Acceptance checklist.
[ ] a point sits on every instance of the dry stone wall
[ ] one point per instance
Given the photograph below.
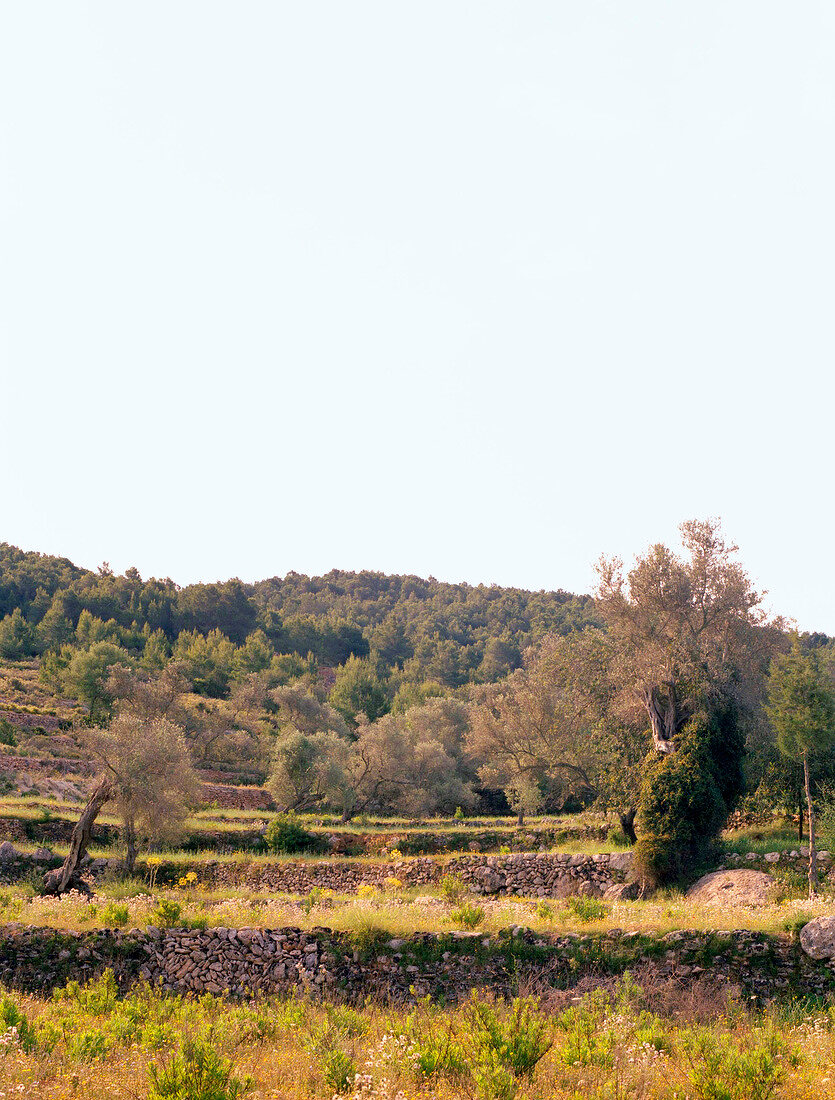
(529, 874)
(796, 859)
(325, 964)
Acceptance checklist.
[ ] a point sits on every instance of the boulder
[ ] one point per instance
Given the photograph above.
(623, 891)
(733, 888)
(8, 852)
(817, 938)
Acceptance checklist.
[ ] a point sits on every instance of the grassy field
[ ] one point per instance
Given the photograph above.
(628, 1041)
(397, 911)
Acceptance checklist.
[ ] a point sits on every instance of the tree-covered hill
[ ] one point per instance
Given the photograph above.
(420, 629)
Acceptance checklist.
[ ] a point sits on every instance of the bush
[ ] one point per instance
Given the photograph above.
(114, 915)
(587, 1041)
(518, 1039)
(197, 1072)
(587, 909)
(285, 834)
(166, 913)
(89, 1045)
(718, 1069)
(686, 797)
(366, 936)
(470, 916)
(11, 1016)
(7, 733)
(97, 997)
(453, 888)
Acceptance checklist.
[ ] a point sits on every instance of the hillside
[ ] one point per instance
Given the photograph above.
(424, 629)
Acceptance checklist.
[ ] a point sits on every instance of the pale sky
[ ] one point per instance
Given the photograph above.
(478, 290)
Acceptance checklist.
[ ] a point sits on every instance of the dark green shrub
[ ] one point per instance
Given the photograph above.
(285, 834)
(686, 797)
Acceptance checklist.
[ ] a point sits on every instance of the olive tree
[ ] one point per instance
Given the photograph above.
(145, 769)
(690, 646)
(684, 631)
(541, 725)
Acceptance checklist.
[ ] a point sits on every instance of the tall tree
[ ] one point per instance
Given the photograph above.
(685, 631)
(690, 650)
(801, 707)
(358, 691)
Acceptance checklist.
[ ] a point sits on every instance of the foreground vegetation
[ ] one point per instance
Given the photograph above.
(625, 1041)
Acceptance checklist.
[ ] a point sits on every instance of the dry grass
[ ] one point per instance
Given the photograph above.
(602, 1046)
(397, 911)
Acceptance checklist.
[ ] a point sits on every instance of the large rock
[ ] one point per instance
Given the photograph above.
(622, 891)
(8, 852)
(817, 938)
(733, 888)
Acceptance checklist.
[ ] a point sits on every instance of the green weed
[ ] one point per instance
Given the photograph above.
(339, 1070)
(467, 914)
(453, 888)
(586, 909)
(196, 1072)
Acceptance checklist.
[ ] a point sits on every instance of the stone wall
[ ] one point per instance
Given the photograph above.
(796, 859)
(529, 874)
(240, 962)
(236, 798)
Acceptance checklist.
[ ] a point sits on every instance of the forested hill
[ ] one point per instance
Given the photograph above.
(452, 632)
(426, 630)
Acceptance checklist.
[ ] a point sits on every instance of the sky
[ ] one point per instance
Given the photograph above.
(473, 290)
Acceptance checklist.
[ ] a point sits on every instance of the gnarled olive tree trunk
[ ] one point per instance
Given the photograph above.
(66, 877)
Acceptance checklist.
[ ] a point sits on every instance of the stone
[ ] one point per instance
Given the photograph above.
(489, 880)
(620, 861)
(772, 857)
(733, 888)
(622, 891)
(42, 855)
(817, 938)
(8, 852)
